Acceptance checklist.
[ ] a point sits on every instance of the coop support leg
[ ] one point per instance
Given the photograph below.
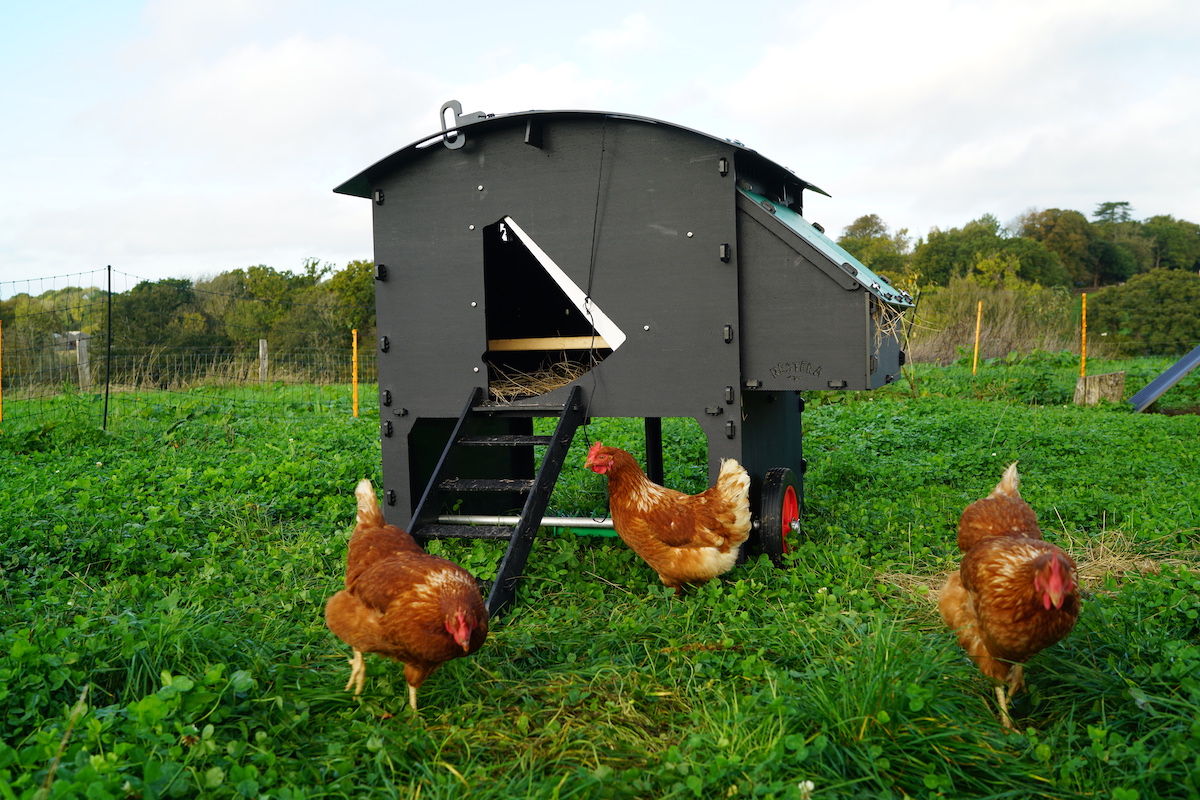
(654, 449)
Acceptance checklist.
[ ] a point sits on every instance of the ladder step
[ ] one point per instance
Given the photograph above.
(525, 410)
(464, 532)
(507, 441)
(486, 485)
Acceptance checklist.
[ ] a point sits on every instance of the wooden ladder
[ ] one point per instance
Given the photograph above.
(536, 490)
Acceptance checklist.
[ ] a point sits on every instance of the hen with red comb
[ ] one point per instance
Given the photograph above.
(1014, 593)
(686, 539)
(402, 602)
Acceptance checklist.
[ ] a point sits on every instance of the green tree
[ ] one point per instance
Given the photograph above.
(314, 320)
(1113, 213)
(1115, 224)
(1175, 242)
(162, 313)
(1038, 264)
(251, 302)
(956, 252)
(1152, 313)
(354, 288)
(870, 241)
(945, 254)
(32, 326)
(1111, 262)
(1068, 235)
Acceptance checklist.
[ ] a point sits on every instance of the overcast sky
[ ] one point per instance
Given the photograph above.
(180, 138)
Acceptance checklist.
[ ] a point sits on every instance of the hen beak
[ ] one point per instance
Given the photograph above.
(461, 630)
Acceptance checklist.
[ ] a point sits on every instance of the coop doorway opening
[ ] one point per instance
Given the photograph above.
(543, 331)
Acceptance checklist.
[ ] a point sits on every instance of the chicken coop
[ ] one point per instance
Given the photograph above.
(579, 264)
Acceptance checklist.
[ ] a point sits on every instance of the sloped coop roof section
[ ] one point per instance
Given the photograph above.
(361, 184)
(873, 283)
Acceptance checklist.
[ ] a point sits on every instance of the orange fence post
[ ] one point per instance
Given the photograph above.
(978, 319)
(354, 368)
(1083, 341)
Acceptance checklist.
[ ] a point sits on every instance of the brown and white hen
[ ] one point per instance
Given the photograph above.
(402, 602)
(1014, 594)
(686, 539)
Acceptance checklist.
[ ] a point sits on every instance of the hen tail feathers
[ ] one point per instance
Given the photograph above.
(734, 476)
(369, 515)
(1010, 484)
(734, 483)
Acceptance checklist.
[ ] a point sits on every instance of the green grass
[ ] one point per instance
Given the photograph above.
(178, 570)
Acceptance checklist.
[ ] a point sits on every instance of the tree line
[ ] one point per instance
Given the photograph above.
(1142, 277)
(314, 308)
(1053, 247)
(1146, 271)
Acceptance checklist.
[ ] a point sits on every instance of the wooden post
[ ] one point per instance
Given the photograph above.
(1083, 341)
(262, 360)
(1092, 389)
(85, 367)
(354, 368)
(978, 320)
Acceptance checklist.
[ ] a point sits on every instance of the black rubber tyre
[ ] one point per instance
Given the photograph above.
(779, 513)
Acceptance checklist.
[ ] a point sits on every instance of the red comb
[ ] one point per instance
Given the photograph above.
(595, 449)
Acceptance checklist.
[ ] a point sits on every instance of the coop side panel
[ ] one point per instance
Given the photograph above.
(801, 329)
(430, 321)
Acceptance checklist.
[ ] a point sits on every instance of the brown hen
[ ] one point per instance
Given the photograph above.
(402, 602)
(686, 539)
(1014, 594)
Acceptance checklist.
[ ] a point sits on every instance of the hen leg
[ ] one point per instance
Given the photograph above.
(1016, 680)
(412, 696)
(1002, 699)
(358, 672)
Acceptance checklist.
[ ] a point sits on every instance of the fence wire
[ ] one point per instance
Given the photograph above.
(69, 348)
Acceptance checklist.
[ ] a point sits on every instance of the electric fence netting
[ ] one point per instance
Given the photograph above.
(113, 349)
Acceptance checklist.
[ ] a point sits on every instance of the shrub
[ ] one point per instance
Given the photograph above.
(1152, 314)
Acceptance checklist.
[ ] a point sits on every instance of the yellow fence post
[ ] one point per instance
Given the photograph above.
(1083, 341)
(354, 368)
(978, 319)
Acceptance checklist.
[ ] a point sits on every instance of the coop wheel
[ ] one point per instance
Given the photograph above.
(779, 513)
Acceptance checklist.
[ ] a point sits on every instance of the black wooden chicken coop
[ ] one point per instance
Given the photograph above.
(580, 264)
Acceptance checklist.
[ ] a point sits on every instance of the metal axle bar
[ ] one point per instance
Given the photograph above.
(509, 521)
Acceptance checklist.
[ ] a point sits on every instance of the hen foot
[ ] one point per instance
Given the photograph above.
(358, 672)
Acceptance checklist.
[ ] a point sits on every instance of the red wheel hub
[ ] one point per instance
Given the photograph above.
(790, 516)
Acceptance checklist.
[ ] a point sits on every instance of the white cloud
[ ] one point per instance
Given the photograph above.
(211, 135)
(177, 31)
(266, 108)
(634, 34)
(525, 87)
(933, 111)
